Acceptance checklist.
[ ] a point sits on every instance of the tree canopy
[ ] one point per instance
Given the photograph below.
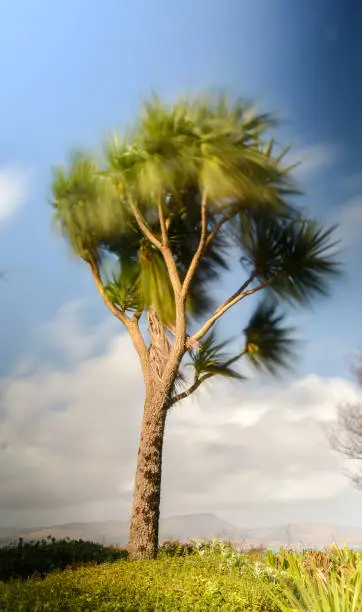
(191, 190)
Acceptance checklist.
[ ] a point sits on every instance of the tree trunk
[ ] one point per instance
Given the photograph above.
(143, 541)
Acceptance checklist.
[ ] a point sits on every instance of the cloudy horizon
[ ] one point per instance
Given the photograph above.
(69, 437)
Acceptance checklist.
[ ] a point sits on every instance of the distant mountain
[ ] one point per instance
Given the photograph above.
(306, 535)
(183, 528)
(197, 527)
(108, 532)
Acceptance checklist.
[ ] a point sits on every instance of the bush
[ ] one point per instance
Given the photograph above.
(29, 559)
(170, 583)
(173, 548)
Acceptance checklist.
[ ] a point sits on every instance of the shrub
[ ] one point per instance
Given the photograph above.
(29, 559)
(173, 548)
(190, 583)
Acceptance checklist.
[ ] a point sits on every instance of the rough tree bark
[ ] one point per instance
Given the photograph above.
(144, 527)
(160, 345)
(143, 540)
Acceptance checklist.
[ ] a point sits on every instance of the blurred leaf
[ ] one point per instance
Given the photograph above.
(210, 360)
(154, 284)
(297, 253)
(268, 344)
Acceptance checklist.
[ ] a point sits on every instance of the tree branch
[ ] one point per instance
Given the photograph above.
(119, 314)
(238, 292)
(167, 253)
(198, 381)
(178, 346)
(172, 271)
(163, 224)
(162, 246)
(130, 324)
(219, 225)
(137, 315)
(196, 258)
(172, 330)
(179, 343)
(143, 225)
(239, 295)
(195, 385)
(236, 357)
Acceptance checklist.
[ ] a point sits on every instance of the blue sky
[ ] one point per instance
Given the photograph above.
(73, 71)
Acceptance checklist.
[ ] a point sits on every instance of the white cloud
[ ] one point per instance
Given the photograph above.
(349, 220)
(13, 190)
(313, 159)
(309, 486)
(70, 336)
(69, 438)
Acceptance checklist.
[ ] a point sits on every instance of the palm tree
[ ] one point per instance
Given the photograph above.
(190, 188)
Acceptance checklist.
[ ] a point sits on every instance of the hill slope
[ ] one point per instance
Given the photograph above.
(197, 527)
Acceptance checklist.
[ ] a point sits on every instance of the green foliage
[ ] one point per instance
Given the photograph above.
(25, 559)
(206, 142)
(296, 254)
(314, 590)
(210, 360)
(321, 581)
(199, 576)
(332, 559)
(174, 157)
(83, 204)
(268, 342)
(154, 284)
(123, 292)
(176, 583)
(173, 548)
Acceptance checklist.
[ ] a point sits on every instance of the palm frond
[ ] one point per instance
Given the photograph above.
(308, 261)
(210, 360)
(268, 343)
(154, 284)
(123, 291)
(298, 254)
(87, 206)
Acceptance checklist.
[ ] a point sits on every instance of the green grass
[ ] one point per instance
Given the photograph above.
(202, 577)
